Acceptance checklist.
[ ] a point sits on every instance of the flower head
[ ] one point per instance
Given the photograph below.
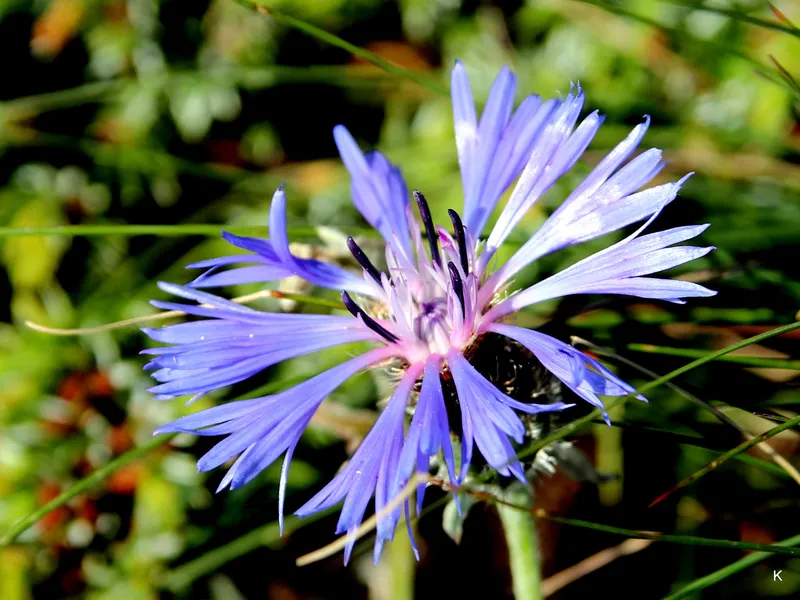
(429, 306)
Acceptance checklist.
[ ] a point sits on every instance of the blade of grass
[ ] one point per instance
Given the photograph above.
(764, 447)
(83, 485)
(761, 68)
(738, 16)
(690, 540)
(203, 229)
(171, 314)
(329, 38)
(716, 463)
(95, 91)
(248, 77)
(788, 77)
(781, 17)
(629, 533)
(750, 361)
(102, 473)
(725, 572)
(579, 423)
(268, 536)
(699, 442)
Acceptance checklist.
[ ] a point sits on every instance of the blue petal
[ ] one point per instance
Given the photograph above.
(378, 190)
(490, 129)
(618, 270)
(313, 271)
(429, 431)
(556, 149)
(193, 370)
(372, 469)
(262, 429)
(276, 260)
(487, 418)
(568, 364)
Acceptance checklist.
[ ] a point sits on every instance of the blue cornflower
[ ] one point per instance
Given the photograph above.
(436, 298)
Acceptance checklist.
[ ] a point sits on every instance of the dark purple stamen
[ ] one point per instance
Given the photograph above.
(461, 238)
(458, 285)
(427, 221)
(364, 260)
(357, 311)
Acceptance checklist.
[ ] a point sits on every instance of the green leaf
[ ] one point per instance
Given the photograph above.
(452, 521)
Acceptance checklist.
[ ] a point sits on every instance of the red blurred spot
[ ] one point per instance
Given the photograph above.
(125, 480)
(120, 439)
(45, 493)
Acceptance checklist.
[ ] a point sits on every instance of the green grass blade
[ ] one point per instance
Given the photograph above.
(83, 485)
(737, 15)
(673, 437)
(581, 422)
(655, 536)
(717, 462)
(761, 68)
(689, 540)
(750, 361)
(268, 535)
(731, 569)
(247, 77)
(207, 230)
(329, 38)
(102, 473)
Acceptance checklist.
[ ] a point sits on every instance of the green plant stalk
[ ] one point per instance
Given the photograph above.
(97, 90)
(402, 566)
(83, 485)
(751, 361)
(322, 35)
(610, 457)
(522, 540)
(209, 230)
(725, 572)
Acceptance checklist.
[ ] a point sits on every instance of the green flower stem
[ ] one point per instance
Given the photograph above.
(83, 485)
(731, 569)
(522, 540)
(402, 566)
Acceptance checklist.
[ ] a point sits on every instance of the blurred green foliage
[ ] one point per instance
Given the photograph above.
(166, 112)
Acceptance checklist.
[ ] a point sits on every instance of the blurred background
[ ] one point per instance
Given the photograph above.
(117, 112)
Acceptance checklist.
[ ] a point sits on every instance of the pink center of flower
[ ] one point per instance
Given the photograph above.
(427, 303)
